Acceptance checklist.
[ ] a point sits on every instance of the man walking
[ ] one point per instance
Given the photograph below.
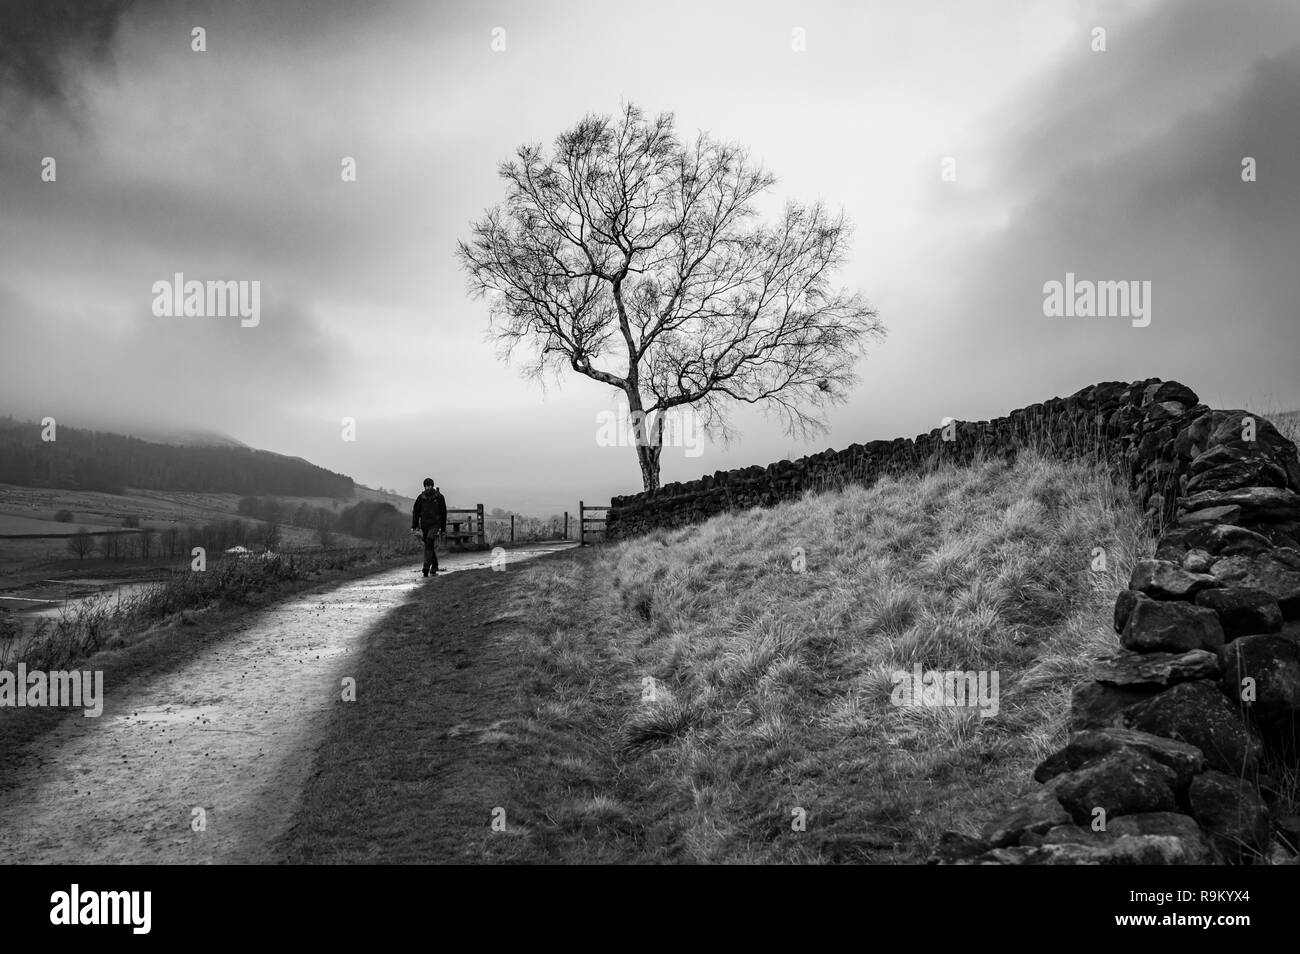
(429, 517)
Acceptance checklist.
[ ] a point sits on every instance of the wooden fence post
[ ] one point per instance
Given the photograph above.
(566, 525)
(482, 535)
(512, 528)
(582, 525)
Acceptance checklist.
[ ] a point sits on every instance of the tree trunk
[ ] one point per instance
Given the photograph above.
(648, 445)
(648, 458)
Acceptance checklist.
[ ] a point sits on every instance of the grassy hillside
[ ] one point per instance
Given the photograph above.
(692, 689)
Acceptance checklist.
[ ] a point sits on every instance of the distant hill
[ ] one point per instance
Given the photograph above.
(183, 437)
(97, 460)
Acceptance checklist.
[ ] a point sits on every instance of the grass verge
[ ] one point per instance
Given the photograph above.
(695, 697)
(429, 756)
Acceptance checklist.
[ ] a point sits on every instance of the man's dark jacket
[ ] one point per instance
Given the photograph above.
(430, 511)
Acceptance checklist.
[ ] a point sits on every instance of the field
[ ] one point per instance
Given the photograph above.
(29, 511)
(153, 508)
(12, 525)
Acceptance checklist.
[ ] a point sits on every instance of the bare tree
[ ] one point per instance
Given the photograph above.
(634, 259)
(169, 539)
(109, 547)
(271, 534)
(81, 543)
(325, 527)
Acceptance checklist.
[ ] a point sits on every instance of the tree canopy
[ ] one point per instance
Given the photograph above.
(631, 257)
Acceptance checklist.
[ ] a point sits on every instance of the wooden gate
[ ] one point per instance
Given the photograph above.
(583, 520)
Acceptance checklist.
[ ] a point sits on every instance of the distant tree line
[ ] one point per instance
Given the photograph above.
(373, 520)
(276, 511)
(175, 542)
(93, 460)
(370, 520)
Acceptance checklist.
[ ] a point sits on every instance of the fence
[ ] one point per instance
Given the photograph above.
(474, 528)
(583, 520)
(512, 528)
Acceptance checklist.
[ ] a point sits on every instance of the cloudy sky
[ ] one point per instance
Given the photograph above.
(1116, 165)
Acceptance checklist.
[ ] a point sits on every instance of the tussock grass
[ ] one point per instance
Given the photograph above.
(1288, 425)
(694, 684)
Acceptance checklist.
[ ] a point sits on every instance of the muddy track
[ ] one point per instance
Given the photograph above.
(232, 731)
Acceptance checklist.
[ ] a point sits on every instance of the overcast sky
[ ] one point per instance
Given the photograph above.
(1115, 165)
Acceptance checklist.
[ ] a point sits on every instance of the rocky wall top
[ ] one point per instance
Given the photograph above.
(1157, 433)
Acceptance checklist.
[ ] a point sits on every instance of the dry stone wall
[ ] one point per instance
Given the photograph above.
(1154, 430)
(1183, 744)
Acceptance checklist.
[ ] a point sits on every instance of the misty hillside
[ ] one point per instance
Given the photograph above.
(96, 460)
(182, 437)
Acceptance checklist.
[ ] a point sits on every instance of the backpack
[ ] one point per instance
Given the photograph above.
(433, 509)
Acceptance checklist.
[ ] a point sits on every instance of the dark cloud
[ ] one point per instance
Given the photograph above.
(43, 41)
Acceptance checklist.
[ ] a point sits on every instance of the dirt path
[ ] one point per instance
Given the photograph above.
(415, 770)
(233, 731)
